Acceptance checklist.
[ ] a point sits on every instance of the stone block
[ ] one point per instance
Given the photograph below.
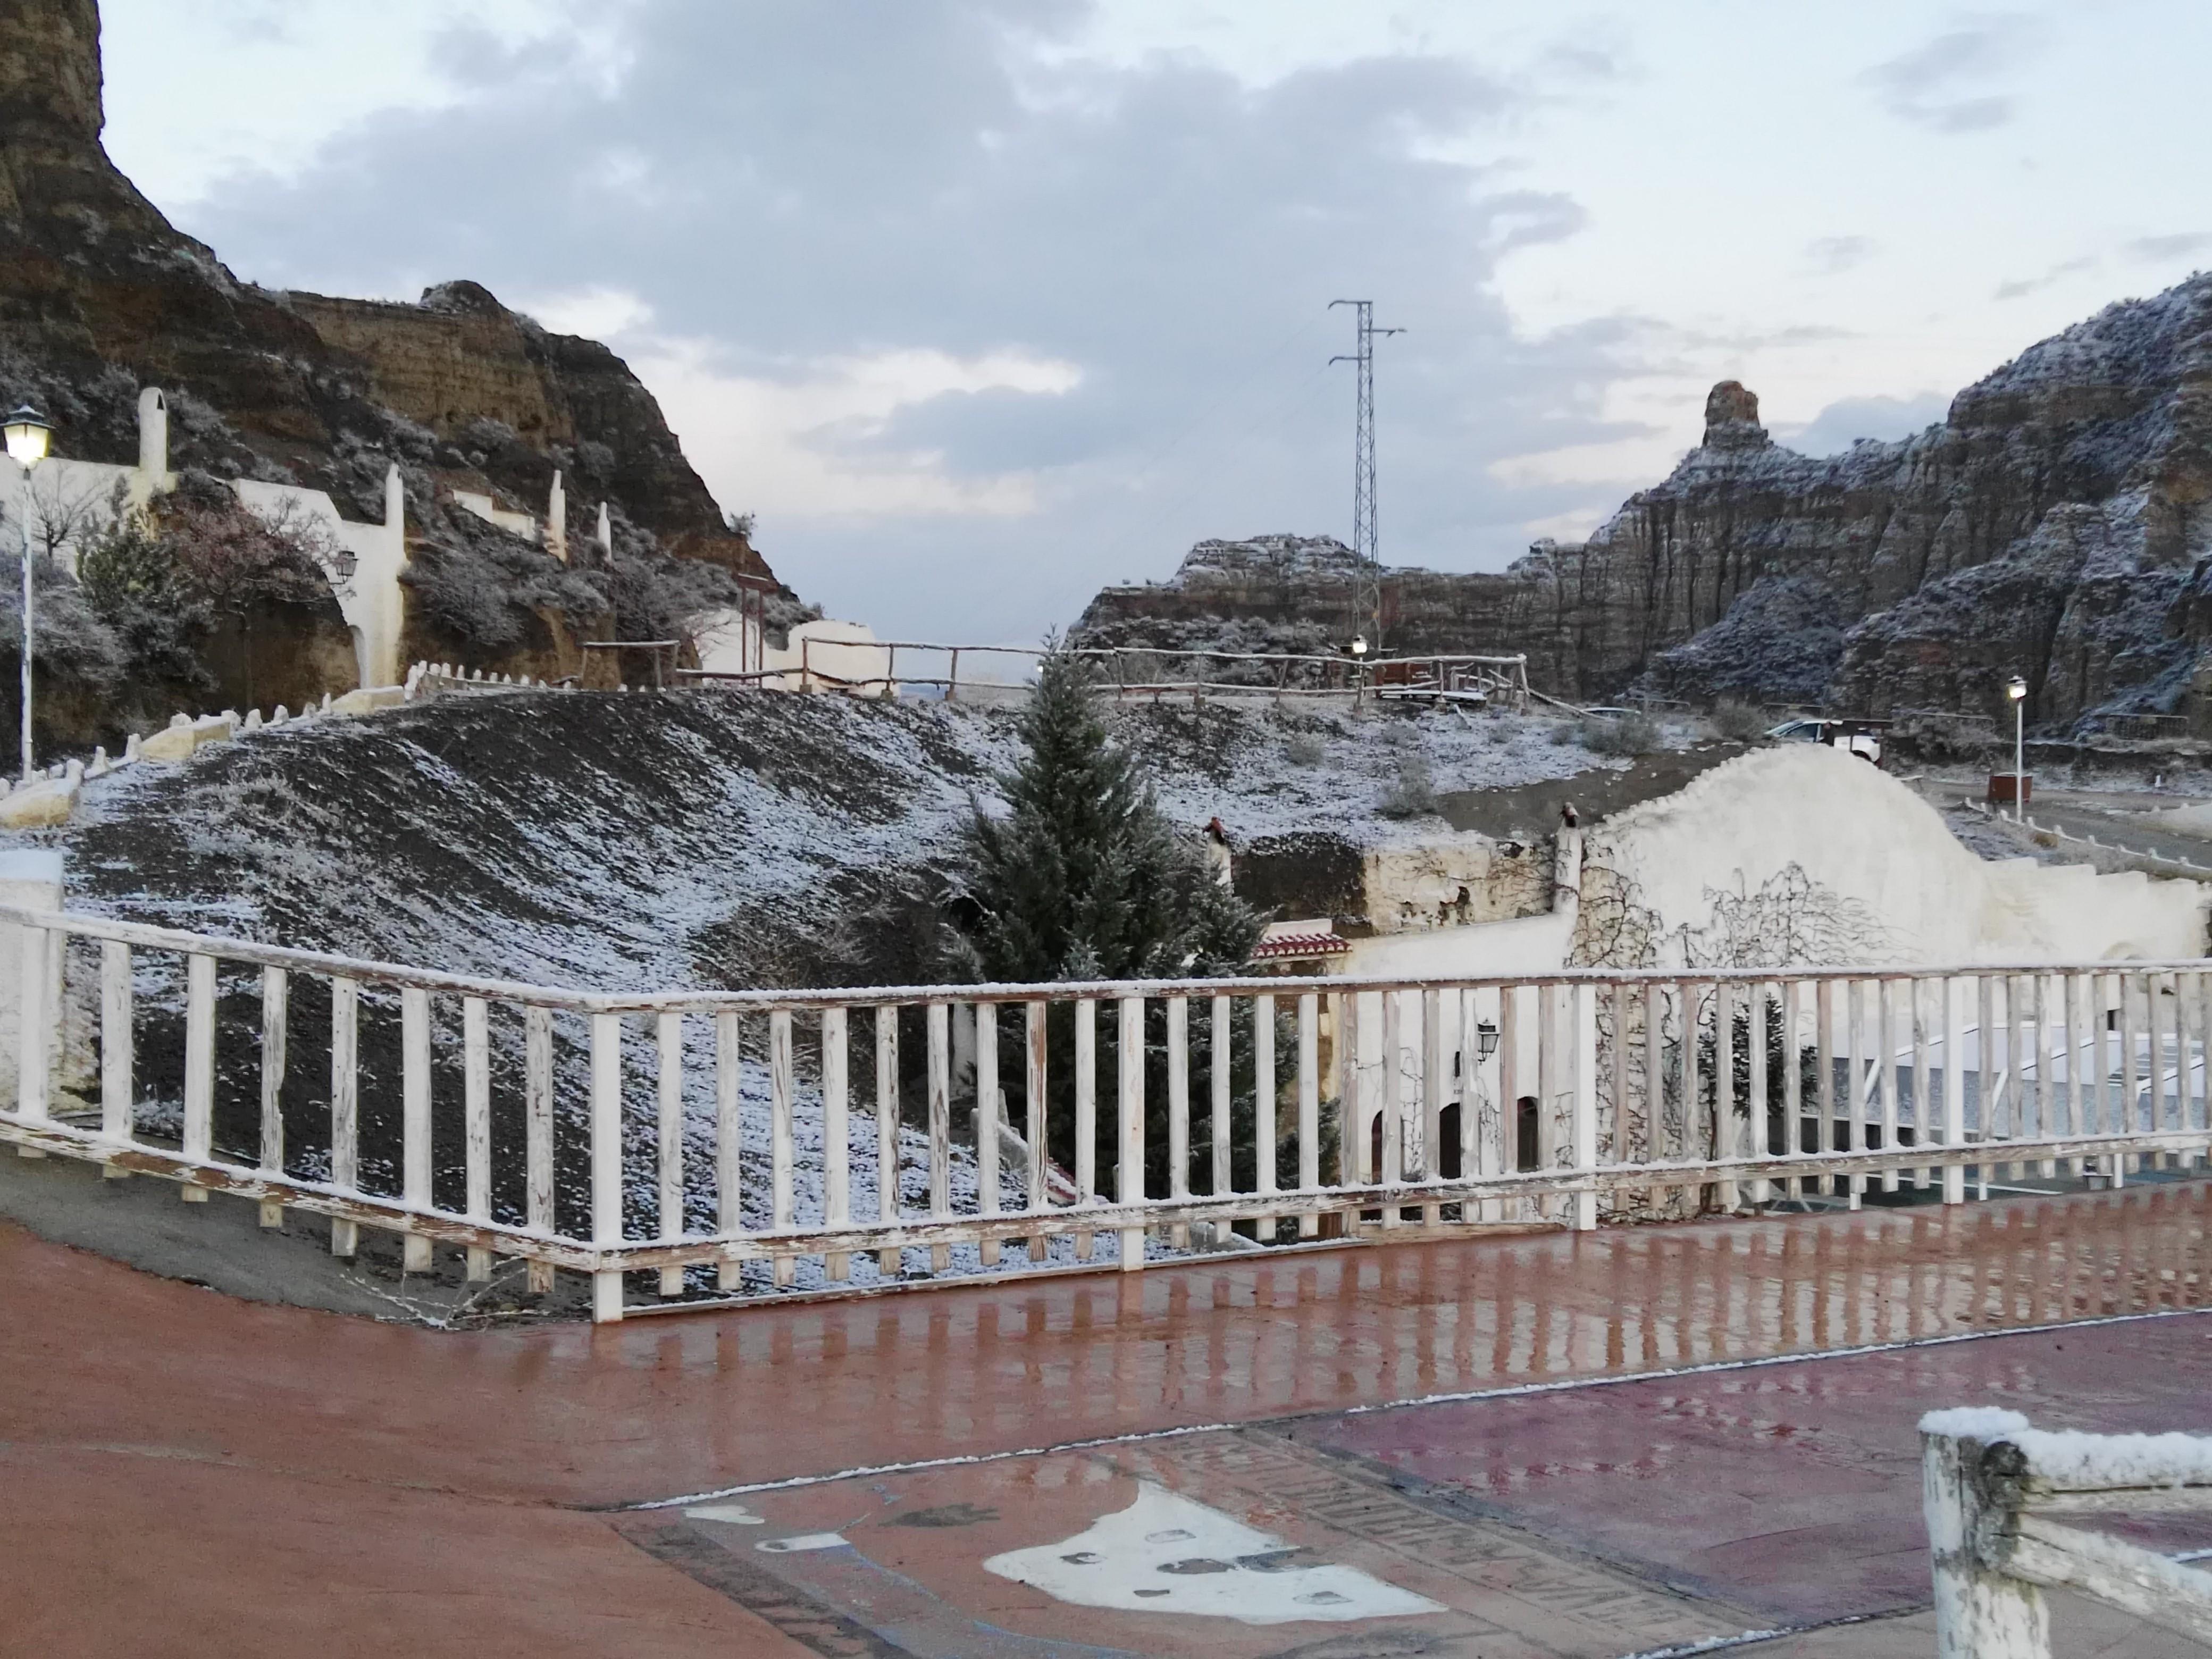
(171, 743)
(41, 806)
(369, 699)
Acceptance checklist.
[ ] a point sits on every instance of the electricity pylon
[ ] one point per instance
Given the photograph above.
(1368, 603)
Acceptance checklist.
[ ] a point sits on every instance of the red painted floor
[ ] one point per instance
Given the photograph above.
(171, 1457)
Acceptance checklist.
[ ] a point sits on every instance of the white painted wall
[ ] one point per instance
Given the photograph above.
(729, 642)
(368, 595)
(847, 650)
(1860, 832)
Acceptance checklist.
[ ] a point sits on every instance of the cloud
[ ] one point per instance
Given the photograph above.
(971, 324)
(2153, 249)
(1831, 256)
(1850, 420)
(1942, 85)
(2021, 287)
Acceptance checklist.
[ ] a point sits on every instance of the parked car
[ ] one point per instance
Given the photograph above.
(1860, 737)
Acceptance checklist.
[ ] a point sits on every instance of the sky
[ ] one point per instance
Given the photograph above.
(976, 306)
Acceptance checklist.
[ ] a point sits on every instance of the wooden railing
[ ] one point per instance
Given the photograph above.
(1145, 671)
(718, 1140)
(1999, 1496)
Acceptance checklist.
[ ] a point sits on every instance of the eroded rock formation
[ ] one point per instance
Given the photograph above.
(100, 294)
(2055, 525)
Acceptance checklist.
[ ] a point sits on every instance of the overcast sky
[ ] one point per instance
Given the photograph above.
(978, 304)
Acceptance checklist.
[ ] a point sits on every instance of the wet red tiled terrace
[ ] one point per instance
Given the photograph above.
(173, 1457)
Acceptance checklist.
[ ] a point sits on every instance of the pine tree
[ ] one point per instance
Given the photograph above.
(1083, 878)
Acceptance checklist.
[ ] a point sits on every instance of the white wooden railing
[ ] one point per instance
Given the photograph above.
(1999, 1496)
(613, 1134)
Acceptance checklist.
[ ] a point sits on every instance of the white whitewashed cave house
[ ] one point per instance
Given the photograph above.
(68, 503)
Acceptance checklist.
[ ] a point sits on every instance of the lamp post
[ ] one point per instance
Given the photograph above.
(27, 432)
(2016, 689)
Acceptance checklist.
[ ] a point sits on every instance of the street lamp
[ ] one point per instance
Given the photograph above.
(1486, 1039)
(2016, 689)
(1359, 645)
(27, 432)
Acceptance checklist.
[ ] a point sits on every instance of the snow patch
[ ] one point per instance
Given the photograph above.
(1167, 1553)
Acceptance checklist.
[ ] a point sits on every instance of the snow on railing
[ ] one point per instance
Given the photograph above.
(695, 1135)
(1991, 1486)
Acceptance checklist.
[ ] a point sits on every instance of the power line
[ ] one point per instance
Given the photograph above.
(1368, 603)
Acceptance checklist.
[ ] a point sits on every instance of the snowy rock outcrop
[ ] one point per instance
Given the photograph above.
(2055, 525)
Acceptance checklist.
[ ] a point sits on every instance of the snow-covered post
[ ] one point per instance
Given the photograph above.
(606, 1160)
(1583, 1208)
(1981, 1612)
(1955, 1088)
(1129, 1177)
(29, 998)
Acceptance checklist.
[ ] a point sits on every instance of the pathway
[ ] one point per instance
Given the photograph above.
(189, 1473)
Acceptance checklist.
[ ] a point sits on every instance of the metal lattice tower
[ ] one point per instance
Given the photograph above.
(1367, 609)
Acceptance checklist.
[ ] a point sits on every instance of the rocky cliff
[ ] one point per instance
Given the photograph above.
(99, 293)
(2054, 524)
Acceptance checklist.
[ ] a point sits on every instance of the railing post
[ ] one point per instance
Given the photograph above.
(1129, 1175)
(1179, 1111)
(345, 1106)
(782, 1153)
(538, 1134)
(987, 1123)
(1263, 1106)
(1309, 1105)
(1432, 1096)
(1886, 1056)
(1394, 1100)
(1086, 1113)
(117, 1118)
(669, 1099)
(1583, 1218)
(940, 1126)
(199, 1057)
(836, 1135)
(606, 1161)
(476, 1123)
(1954, 1090)
(887, 1132)
(1757, 1114)
(1980, 1613)
(274, 989)
(1035, 1018)
(1218, 1034)
(32, 1024)
(415, 1119)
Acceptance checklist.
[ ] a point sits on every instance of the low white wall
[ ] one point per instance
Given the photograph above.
(846, 650)
(1861, 837)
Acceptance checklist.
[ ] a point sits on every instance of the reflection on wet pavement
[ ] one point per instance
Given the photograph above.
(1549, 1518)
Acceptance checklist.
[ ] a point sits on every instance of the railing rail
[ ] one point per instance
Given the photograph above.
(1990, 1484)
(696, 1133)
